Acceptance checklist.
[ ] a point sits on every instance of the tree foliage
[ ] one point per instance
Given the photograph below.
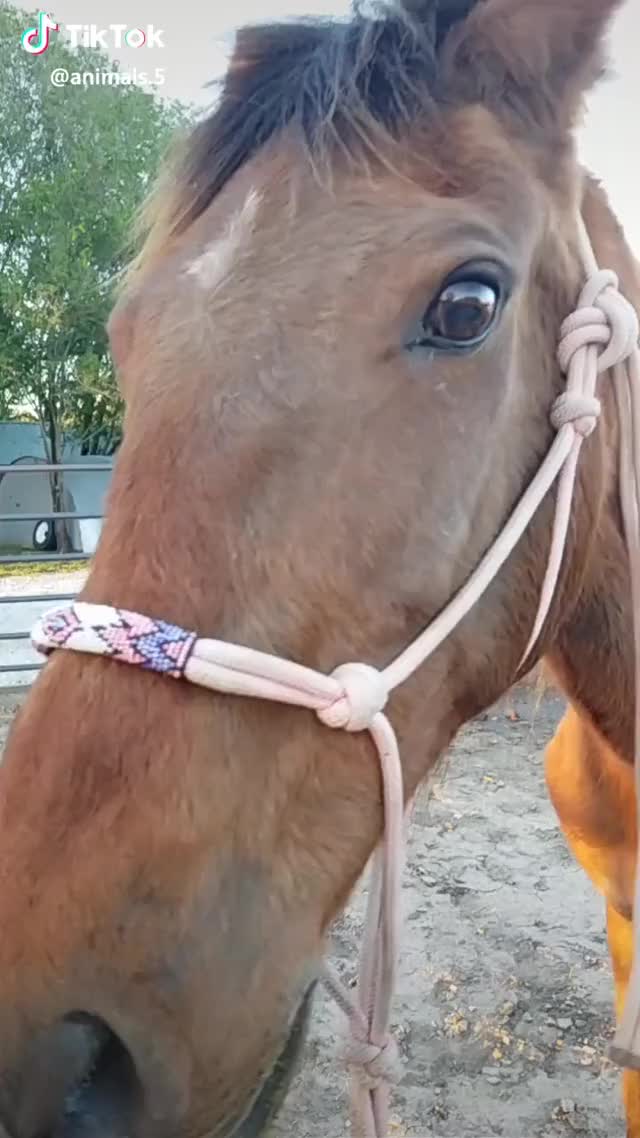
(75, 164)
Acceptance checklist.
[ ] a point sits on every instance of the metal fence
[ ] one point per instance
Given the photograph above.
(27, 606)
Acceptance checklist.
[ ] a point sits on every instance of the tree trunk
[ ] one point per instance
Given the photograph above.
(56, 482)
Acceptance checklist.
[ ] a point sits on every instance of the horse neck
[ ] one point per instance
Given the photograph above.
(592, 656)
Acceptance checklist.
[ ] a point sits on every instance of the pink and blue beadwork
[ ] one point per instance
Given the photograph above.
(128, 637)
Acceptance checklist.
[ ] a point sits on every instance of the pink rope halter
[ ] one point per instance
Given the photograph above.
(602, 333)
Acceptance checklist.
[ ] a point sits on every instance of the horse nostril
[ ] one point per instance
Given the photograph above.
(81, 1082)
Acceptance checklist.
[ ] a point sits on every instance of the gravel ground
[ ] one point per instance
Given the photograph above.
(505, 1004)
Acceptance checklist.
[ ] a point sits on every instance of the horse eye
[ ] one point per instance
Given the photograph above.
(461, 316)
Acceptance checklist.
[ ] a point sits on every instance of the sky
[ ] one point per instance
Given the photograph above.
(198, 33)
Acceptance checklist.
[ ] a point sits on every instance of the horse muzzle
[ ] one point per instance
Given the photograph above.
(81, 1081)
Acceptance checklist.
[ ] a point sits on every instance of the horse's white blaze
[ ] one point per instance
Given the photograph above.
(213, 266)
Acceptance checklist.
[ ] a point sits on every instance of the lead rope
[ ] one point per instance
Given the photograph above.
(601, 334)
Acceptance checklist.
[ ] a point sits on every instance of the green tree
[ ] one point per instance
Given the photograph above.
(75, 164)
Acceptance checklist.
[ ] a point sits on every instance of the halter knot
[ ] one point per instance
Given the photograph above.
(373, 1065)
(363, 694)
(605, 319)
(582, 411)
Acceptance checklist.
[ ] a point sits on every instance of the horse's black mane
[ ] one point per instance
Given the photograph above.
(347, 85)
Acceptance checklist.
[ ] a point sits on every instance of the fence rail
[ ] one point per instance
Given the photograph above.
(12, 672)
(39, 467)
(62, 516)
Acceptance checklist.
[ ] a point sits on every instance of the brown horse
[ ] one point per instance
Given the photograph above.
(338, 354)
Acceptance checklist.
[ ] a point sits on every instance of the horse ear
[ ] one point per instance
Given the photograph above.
(532, 58)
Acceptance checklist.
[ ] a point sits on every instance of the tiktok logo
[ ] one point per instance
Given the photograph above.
(36, 40)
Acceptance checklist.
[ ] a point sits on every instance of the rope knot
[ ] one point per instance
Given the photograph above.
(362, 696)
(604, 318)
(582, 411)
(373, 1065)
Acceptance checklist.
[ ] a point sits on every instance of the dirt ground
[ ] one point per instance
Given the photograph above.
(504, 1011)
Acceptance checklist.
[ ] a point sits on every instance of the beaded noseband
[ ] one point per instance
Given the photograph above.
(601, 335)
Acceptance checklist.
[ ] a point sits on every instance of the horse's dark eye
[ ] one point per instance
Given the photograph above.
(461, 315)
